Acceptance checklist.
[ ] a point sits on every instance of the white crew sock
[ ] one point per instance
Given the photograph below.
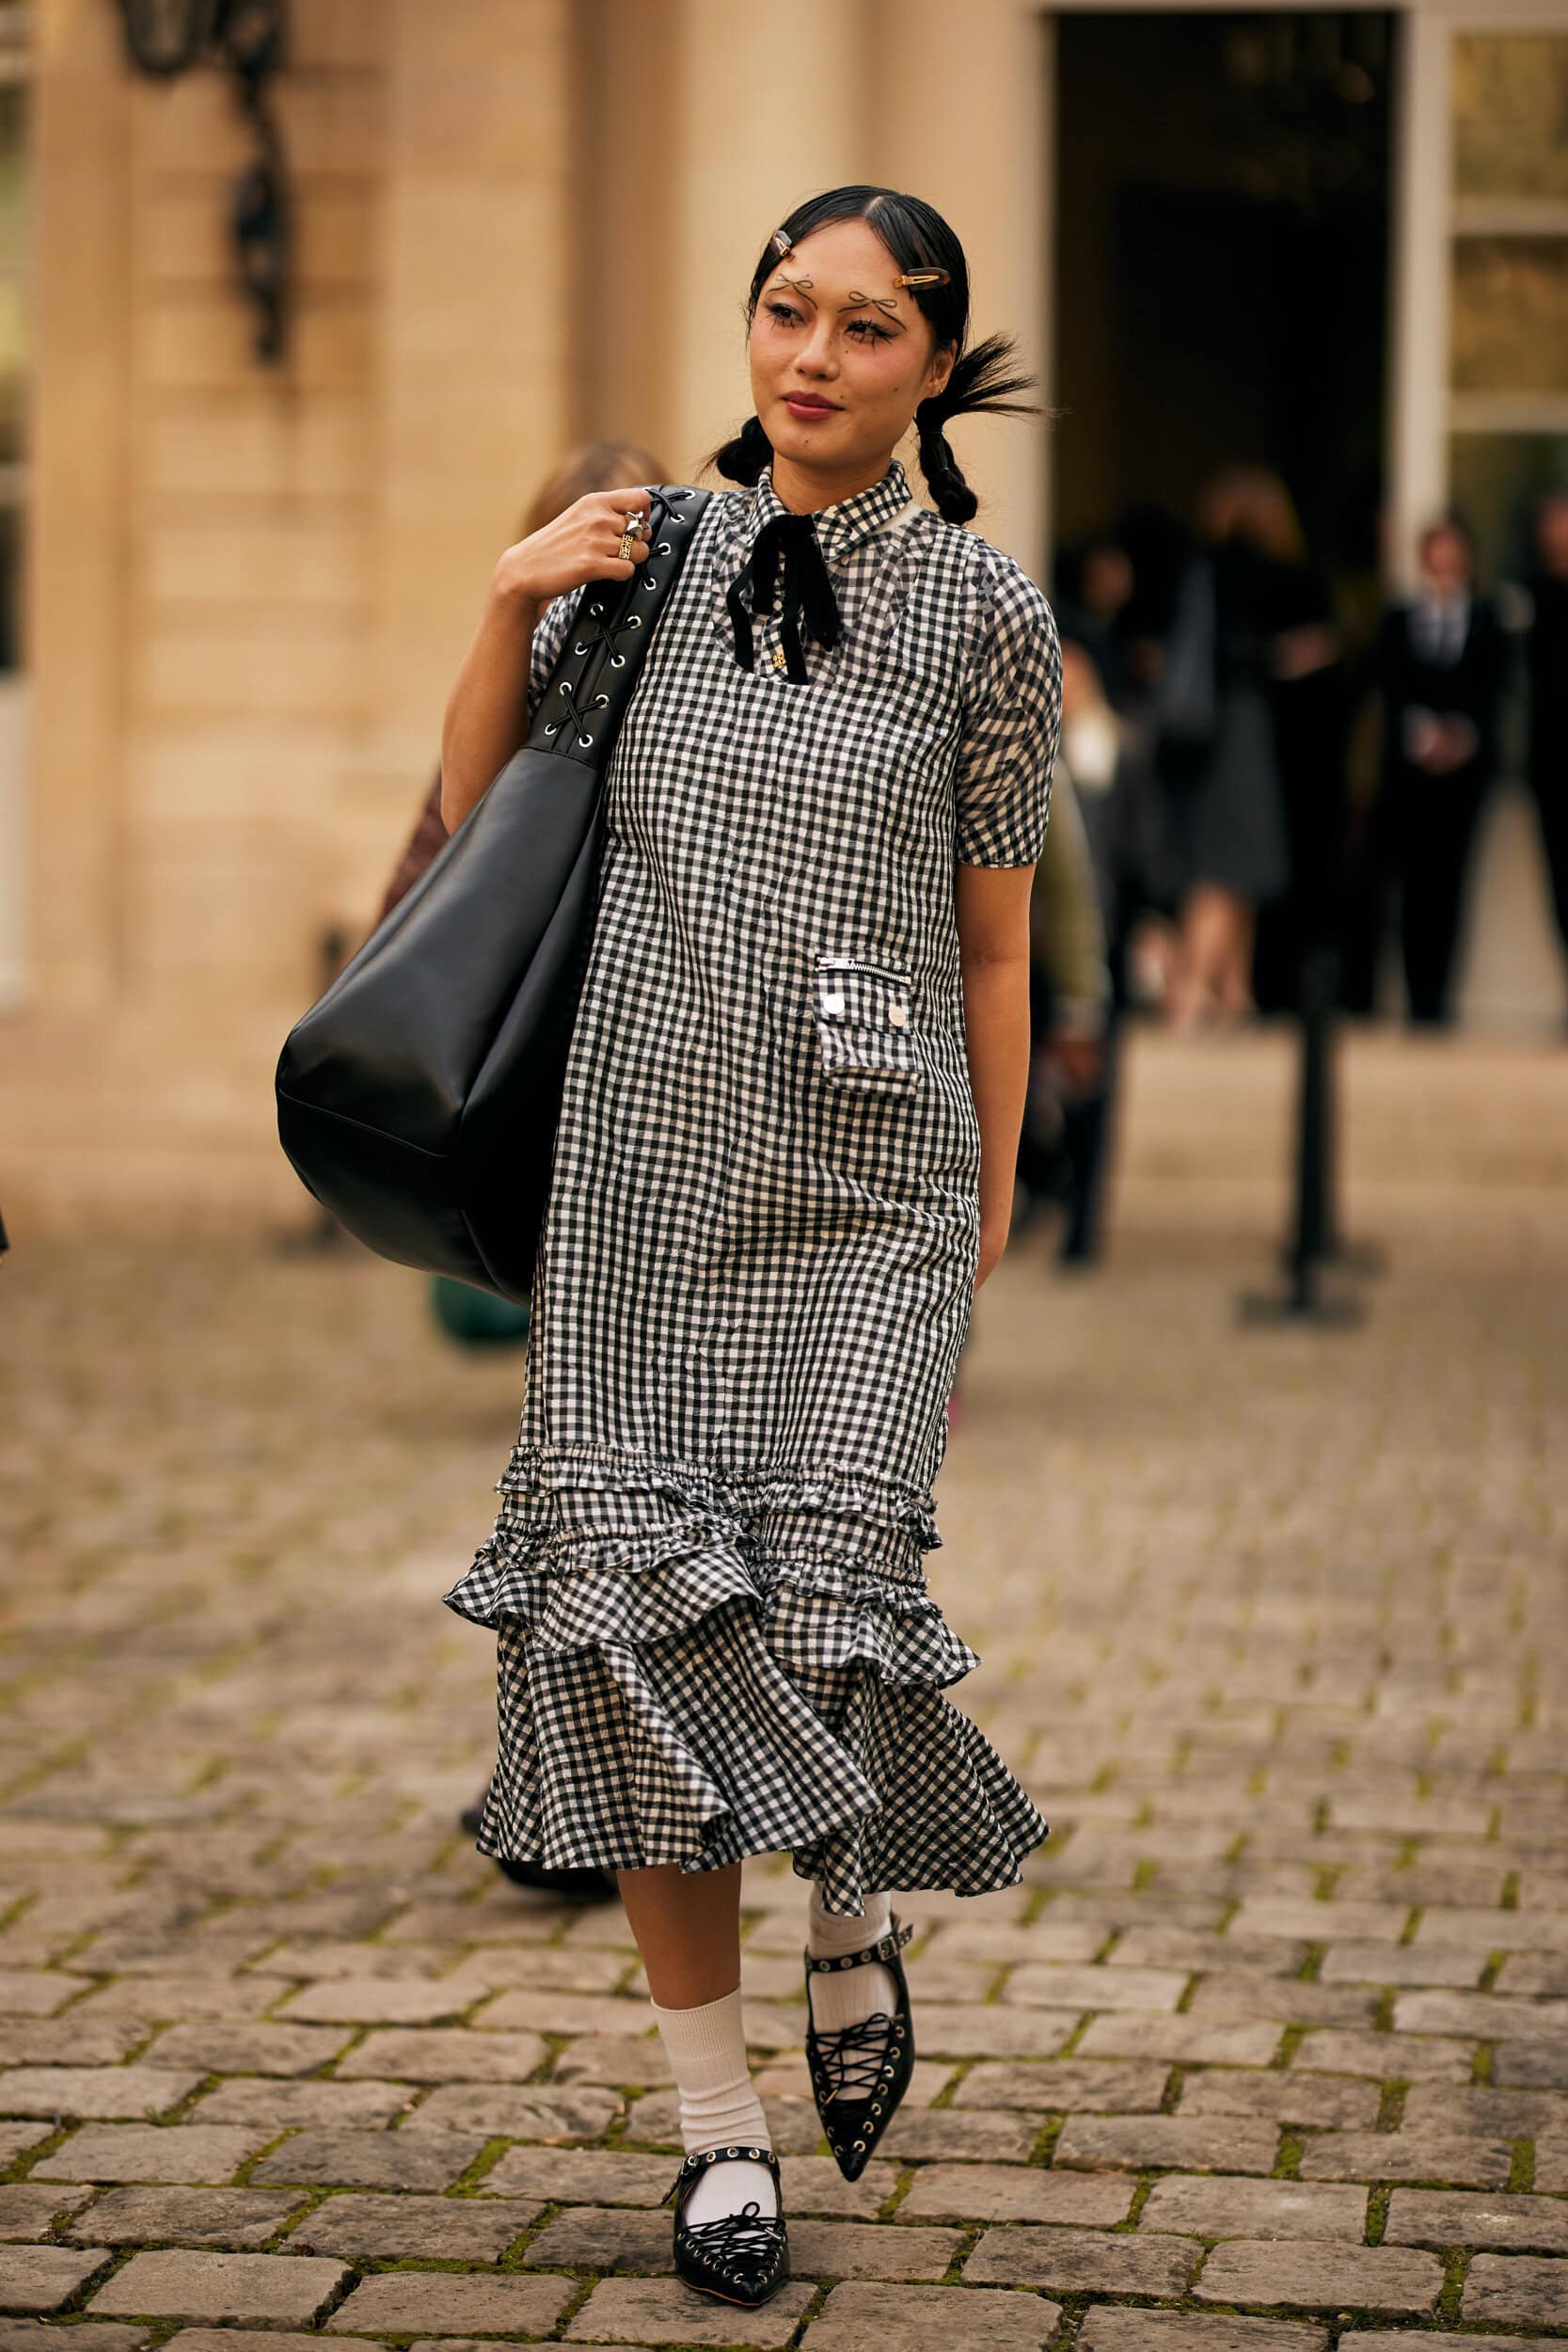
(848, 1997)
(706, 2050)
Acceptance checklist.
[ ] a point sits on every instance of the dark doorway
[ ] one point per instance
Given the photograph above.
(1221, 256)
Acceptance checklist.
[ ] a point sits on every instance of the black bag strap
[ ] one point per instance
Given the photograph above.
(587, 692)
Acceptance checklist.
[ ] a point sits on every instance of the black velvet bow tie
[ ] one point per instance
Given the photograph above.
(787, 564)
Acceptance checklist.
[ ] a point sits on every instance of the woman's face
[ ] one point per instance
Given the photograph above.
(841, 357)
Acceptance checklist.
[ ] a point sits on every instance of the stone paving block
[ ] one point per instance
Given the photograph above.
(998, 1941)
(598, 2013)
(145, 2152)
(663, 2310)
(1542, 2065)
(178, 1999)
(409, 2302)
(235, 2219)
(1321, 2278)
(1534, 1972)
(1103, 2143)
(1015, 2192)
(1078, 2262)
(376, 2001)
(444, 2055)
(1517, 2291)
(1214, 2205)
(1423, 2217)
(608, 2238)
(1176, 2331)
(93, 2090)
(1388, 2057)
(1158, 1946)
(1284, 2001)
(850, 2249)
(28, 2208)
(64, 2041)
(814, 2184)
(555, 2113)
(288, 2106)
(966, 2030)
(1506, 2112)
(862, 2318)
(236, 2340)
(1320, 1922)
(219, 2048)
(1402, 1964)
(38, 2335)
(46, 2278)
(635, 2061)
(1051, 1986)
(1485, 1930)
(1403, 2340)
(1318, 2102)
(16, 2138)
(1482, 2016)
(1098, 2086)
(33, 1992)
(1551, 2165)
(372, 2159)
(268, 2289)
(586, 2176)
(1187, 2040)
(427, 2229)
(974, 2136)
(1447, 2159)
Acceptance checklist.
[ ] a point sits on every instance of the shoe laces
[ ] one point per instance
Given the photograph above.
(852, 2058)
(749, 2236)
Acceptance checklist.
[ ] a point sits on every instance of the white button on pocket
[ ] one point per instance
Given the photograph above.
(865, 1041)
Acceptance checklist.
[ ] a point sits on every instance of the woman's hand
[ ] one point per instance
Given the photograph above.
(993, 1241)
(581, 545)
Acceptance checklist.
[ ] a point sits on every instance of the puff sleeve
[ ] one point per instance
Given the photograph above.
(1012, 717)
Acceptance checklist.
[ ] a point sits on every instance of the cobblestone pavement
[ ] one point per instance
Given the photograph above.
(1270, 2053)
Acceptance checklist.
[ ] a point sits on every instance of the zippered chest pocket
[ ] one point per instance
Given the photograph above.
(863, 1026)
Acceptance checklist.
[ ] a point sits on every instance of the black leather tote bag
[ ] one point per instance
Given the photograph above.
(419, 1098)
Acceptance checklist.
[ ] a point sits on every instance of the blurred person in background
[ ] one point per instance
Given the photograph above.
(472, 1316)
(1217, 743)
(1440, 664)
(1546, 667)
(1106, 759)
(1095, 607)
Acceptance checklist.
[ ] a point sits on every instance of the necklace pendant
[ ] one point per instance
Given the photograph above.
(781, 661)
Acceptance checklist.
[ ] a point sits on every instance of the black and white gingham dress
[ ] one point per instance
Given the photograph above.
(755, 1278)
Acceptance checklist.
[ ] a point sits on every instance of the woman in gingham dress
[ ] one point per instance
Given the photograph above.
(784, 1166)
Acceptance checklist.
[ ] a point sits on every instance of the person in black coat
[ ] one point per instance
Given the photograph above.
(1547, 664)
(1441, 661)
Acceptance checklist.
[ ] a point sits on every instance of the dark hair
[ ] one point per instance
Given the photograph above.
(984, 380)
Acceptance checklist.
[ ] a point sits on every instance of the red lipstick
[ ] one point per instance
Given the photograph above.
(809, 405)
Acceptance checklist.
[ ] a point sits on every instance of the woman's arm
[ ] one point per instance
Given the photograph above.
(487, 710)
(992, 905)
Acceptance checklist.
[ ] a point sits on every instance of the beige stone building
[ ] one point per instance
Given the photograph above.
(243, 587)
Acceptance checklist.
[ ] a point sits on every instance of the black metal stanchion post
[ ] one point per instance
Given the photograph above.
(1312, 1243)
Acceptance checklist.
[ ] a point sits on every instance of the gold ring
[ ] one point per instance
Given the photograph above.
(633, 531)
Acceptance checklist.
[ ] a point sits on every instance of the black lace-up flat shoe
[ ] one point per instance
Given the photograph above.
(742, 2257)
(860, 2074)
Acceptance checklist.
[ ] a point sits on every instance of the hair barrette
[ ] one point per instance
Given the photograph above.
(923, 278)
(781, 243)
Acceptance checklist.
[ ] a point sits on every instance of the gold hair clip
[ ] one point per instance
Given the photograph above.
(781, 243)
(923, 278)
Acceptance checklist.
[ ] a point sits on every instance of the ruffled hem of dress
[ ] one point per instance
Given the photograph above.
(705, 1748)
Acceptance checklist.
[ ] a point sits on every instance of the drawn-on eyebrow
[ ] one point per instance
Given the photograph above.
(883, 302)
(802, 286)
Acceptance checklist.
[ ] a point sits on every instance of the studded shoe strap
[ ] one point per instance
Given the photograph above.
(695, 2163)
(887, 1949)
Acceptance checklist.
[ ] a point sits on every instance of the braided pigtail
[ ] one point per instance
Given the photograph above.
(743, 459)
(985, 382)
